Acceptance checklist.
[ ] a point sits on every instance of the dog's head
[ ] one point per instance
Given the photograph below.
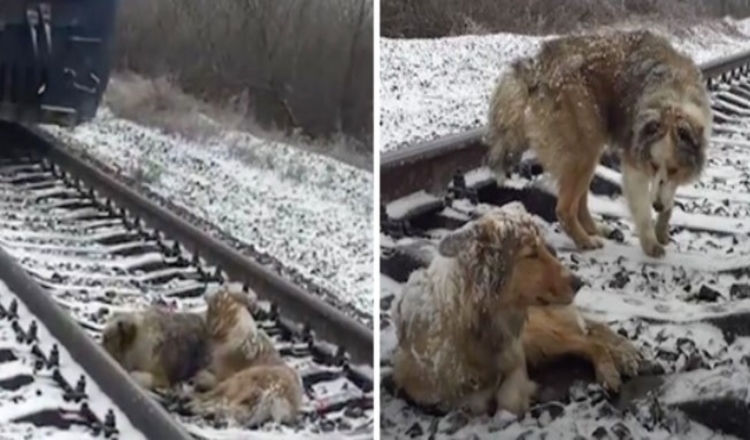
(671, 135)
(119, 334)
(229, 307)
(503, 257)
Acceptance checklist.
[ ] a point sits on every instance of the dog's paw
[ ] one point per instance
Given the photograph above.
(144, 379)
(608, 376)
(652, 248)
(204, 380)
(516, 398)
(662, 235)
(590, 243)
(604, 230)
(628, 358)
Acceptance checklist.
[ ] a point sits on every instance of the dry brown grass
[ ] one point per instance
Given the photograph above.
(160, 104)
(300, 67)
(436, 18)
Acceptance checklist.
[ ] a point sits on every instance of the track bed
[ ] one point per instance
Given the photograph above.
(689, 313)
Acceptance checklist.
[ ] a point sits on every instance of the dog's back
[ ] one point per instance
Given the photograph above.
(250, 380)
(613, 71)
(161, 347)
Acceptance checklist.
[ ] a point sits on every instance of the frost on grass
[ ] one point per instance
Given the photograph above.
(312, 213)
(432, 88)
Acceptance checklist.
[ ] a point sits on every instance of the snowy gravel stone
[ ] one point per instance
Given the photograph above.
(435, 87)
(310, 212)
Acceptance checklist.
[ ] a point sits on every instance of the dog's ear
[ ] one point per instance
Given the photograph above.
(455, 241)
(248, 299)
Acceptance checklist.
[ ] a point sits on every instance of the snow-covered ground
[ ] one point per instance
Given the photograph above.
(310, 212)
(435, 87)
(660, 305)
(35, 391)
(432, 88)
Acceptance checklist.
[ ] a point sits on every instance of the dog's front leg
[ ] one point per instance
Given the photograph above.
(515, 392)
(636, 188)
(662, 226)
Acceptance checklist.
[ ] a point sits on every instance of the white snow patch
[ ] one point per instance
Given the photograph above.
(312, 213)
(436, 87)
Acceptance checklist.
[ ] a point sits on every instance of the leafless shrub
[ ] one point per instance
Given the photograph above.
(158, 103)
(435, 18)
(289, 64)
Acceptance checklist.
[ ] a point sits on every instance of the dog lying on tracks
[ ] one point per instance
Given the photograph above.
(246, 379)
(157, 347)
(236, 369)
(459, 321)
(630, 90)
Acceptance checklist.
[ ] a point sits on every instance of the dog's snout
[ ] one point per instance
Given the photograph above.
(658, 206)
(576, 283)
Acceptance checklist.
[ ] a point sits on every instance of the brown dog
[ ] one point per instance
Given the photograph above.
(630, 90)
(247, 380)
(552, 332)
(459, 321)
(159, 348)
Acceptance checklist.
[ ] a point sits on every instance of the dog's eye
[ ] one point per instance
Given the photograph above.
(654, 166)
(651, 128)
(671, 171)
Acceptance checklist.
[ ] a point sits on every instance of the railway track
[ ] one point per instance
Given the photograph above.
(78, 245)
(689, 313)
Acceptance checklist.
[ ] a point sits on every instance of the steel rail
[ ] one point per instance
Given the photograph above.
(431, 165)
(325, 321)
(143, 412)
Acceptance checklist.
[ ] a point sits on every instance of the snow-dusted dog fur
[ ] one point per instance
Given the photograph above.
(247, 380)
(630, 90)
(459, 321)
(159, 348)
(552, 332)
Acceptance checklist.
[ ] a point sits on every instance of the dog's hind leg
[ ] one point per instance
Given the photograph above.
(573, 185)
(588, 222)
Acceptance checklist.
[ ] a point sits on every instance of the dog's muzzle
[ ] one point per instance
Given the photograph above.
(658, 206)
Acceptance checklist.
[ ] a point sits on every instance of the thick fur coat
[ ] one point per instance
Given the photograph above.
(459, 321)
(631, 91)
(159, 348)
(247, 380)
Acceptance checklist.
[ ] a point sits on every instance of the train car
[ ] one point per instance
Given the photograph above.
(55, 58)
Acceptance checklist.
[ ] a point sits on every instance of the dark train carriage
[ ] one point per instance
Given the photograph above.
(54, 59)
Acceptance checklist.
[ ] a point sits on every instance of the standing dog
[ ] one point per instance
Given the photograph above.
(246, 380)
(630, 90)
(459, 321)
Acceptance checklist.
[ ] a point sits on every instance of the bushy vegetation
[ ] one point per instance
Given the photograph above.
(436, 18)
(304, 67)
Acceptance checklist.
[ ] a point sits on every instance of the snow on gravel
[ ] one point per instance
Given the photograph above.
(667, 307)
(435, 87)
(42, 394)
(312, 213)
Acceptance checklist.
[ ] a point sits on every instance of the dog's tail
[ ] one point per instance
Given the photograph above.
(506, 135)
(254, 396)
